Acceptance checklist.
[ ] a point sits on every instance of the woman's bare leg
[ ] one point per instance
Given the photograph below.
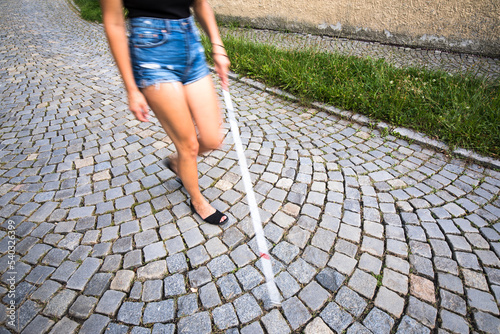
(203, 104)
(170, 103)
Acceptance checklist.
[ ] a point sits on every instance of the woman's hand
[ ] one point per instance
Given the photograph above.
(138, 105)
(222, 63)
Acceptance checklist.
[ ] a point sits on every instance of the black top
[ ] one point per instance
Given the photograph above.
(164, 9)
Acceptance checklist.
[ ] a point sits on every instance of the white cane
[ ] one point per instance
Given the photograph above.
(252, 203)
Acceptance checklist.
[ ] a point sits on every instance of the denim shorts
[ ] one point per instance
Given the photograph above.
(164, 50)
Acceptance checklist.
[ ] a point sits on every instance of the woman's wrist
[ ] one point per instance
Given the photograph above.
(220, 54)
(133, 92)
(218, 49)
(220, 45)
(131, 86)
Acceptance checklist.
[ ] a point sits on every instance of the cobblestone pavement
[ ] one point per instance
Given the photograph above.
(369, 233)
(399, 56)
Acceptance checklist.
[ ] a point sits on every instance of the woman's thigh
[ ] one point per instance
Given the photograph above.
(169, 103)
(202, 100)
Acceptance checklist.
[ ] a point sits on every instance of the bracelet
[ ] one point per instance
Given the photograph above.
(222, 46)
(220, 54)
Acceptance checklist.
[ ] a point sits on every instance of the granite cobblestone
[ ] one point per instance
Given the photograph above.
(367, 232)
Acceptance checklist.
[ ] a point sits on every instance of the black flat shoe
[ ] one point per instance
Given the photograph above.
(214, 218)
(168, 163)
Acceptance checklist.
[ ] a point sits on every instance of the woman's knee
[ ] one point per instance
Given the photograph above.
(189, 147)
(211, 142)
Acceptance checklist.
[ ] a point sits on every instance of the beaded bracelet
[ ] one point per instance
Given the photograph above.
(222, 46)
(220, 54)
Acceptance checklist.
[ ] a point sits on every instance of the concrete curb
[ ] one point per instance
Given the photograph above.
(417, 137)
(74, 5)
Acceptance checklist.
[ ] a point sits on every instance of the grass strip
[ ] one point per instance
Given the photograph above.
(460, 110)
(90, 10)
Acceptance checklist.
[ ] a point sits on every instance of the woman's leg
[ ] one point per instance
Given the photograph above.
(204, 106)
(170, 104)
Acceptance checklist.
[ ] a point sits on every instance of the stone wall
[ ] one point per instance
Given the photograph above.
(459, 25)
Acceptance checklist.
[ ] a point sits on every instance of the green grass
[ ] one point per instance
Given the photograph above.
(90, 10)
(460, 110)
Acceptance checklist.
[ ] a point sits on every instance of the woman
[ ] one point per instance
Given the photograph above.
(162, 65)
